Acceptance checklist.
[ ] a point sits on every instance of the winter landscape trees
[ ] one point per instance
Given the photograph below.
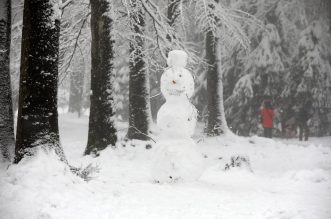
(252, 50)
(104, 60)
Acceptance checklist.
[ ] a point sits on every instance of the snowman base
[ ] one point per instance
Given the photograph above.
(177, 159)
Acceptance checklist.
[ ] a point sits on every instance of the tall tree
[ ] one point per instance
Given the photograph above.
(225, 29)
(139, 91)
(6, 112)
(37, 122)
(216, 124)
(102, 131)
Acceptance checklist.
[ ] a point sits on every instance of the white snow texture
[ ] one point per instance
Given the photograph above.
(176, 154)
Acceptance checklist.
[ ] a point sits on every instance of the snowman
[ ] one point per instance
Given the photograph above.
(176, 155)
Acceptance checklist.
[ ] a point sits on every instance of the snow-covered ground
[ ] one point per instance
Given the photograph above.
(289, 179)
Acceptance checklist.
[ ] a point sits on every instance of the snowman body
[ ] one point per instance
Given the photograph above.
(177, 117)
(176, 155)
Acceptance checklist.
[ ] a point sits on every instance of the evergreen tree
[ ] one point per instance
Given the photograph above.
(262, 79)
(102, 131)
(6, 113)
(310, 77)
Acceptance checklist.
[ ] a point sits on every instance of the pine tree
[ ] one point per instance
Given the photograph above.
(310, 78)
(139, 88)
(102, 131)
(6, 113)
(262, 79)
(37, 122)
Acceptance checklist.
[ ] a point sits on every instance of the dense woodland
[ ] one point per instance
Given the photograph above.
(104, 59)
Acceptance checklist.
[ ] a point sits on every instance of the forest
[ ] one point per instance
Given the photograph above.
(81, 85)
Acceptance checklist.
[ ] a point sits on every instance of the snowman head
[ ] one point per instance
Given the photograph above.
(175, 81)
(177, 59)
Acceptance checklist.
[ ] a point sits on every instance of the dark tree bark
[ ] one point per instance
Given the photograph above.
(76, 88)
(216, 124)
(37, 122)
(6, 112)
(139, 91)
(102, 131)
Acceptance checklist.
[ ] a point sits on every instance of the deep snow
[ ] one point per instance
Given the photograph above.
(290, 179)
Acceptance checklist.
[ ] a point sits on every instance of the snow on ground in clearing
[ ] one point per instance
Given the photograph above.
(290, 179)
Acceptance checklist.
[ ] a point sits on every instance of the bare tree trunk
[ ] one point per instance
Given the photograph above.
(216, 124)
(139, 89)
(6, 112)
(37, 122)
(102, 131)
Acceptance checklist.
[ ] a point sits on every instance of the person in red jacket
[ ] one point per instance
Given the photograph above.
(268, 114)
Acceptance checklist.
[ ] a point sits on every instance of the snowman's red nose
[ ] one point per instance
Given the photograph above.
(173, 81)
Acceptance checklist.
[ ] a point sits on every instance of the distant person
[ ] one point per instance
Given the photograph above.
(268, 114)
(305, 112)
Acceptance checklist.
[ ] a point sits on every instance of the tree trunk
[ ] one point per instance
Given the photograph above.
(37, 122)
(76, 88)
(139, 91)
(216, 124)
(6, 112)
(102, 131)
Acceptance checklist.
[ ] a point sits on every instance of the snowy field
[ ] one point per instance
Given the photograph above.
(289, 179)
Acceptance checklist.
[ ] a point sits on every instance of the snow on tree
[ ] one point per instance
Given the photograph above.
(139, 91)
(310, 77)
(74, 59)
(37, 122)
(262, 78)
(6, 112)
(75, 47)
(225, 29)
(102, 130)
(151, 37)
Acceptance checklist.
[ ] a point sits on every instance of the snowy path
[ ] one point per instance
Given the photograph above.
(288, 181)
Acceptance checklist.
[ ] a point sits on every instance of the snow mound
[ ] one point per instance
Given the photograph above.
(42, 180)
(290, 179)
